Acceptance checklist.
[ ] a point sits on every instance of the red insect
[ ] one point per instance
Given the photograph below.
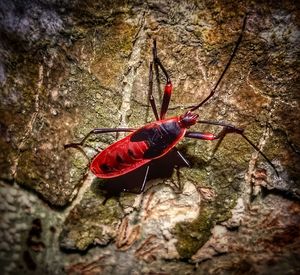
(156, 139)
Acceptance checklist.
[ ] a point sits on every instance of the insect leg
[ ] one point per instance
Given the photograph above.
(168, 86)
(145, 180)
(184, 161)
(227, 129)
(140, 177)
(98, 131)
(154, 54)
(225, 69)
(150, 93)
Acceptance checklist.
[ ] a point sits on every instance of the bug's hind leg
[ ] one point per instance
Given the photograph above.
(175, 181)
(78, 145)
(142, 182)
(97, 131)
(180, 161)
(172, 160)
(227, 129)
(133, 182)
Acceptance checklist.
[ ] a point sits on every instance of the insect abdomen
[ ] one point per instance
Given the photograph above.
(120, 156)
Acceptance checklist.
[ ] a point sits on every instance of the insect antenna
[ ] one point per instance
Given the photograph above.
(259, 151)
(193, 108)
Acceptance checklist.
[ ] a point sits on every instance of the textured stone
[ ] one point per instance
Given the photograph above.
(70, 66)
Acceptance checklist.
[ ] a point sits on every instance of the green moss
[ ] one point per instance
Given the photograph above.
(26, 174)
(86, 221)
(192, 236)
(86, 238)
(80, 162)
(215, 174)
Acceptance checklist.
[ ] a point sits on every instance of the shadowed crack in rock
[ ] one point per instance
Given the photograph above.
(129, 77)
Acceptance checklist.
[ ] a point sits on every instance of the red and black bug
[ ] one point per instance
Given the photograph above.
(160, 137)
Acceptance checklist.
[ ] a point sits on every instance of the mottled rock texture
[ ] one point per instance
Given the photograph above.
(67, 67)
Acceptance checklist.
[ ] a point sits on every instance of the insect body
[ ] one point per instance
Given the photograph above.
(139, 148)
(158, 138)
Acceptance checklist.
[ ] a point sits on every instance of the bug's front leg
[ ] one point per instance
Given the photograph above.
(150, 92)
(168, 87)
(210, 136)
(227, 129)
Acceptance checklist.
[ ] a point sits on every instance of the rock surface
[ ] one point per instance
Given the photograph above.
(67, 67)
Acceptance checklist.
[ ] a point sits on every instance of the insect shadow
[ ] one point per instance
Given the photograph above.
(161, 168)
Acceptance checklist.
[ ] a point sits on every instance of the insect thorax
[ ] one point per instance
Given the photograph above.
(159, 137)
